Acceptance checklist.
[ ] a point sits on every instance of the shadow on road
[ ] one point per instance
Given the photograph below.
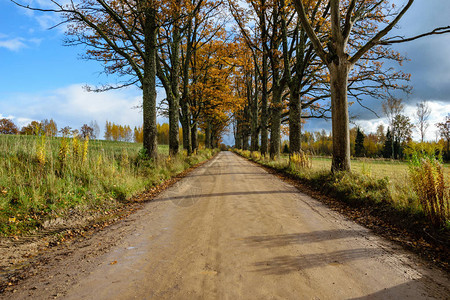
(282, 240)
(231, 173)
(228, 194)
(282, 265)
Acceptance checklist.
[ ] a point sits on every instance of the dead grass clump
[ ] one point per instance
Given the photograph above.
(427, 178)
(300, 160)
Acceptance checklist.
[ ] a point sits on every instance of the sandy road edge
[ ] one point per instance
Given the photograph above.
(21, 255)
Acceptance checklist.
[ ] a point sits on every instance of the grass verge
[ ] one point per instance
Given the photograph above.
(45, 179)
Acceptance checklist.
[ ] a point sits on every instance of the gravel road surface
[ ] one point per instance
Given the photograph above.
(230, 230)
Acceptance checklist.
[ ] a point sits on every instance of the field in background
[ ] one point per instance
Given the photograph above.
(396, 171)
(43, 178)
(371, 180)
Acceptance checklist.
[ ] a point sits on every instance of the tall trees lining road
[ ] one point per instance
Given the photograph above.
(334, 52)
(281, 62)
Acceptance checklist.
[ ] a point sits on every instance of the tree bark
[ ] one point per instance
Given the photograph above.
(246, 128)
(185, 125)
(254, 113)
(339, 70)
(173, 126)
(185, 111)
(174, 104)
(238, 134)
(194, 137)
(275, 128)
(295, 122)
(264, 108)
(208, 136)
(264, 79)
(149, 85)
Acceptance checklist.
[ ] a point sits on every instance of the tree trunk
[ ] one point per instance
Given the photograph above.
(275, 128)
(264, 79)
(339, 110)
(295, 122)
(149, 85)
(254, 112)
(194, 137)
(174, 143)
(174, 104)
(208, 136)
(185, 125)
(238, 135)
(185, 113)
(214, 141)
(246, 129)
(264, 108)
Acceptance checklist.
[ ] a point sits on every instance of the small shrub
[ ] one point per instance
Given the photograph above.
(255, 155)
(246, 153)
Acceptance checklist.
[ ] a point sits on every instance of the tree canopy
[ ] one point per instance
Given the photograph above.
(257, 64)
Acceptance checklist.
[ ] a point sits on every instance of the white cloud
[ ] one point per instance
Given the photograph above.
(439, 110)
(17, 43)
(14, 44)
(369, 126)
(20, 122)
(8, 117)
(73, 106)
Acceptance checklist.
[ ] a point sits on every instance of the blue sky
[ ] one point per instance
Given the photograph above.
(40, 78)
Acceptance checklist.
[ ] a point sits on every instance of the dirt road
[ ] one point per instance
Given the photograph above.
(230, 230)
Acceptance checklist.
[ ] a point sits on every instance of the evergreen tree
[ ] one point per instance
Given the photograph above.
(359, 143)
(387, 149)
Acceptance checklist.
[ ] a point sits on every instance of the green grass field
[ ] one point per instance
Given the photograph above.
(396, 171)
(42, 178)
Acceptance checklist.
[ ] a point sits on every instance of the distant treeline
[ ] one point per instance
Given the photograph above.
(380, 144)
(49, 128)
(113, 131)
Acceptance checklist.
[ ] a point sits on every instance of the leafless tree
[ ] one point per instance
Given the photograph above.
(392, 107)
(423, 113)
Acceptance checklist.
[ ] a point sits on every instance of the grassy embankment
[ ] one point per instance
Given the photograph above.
(371, 182)
(43, 178)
